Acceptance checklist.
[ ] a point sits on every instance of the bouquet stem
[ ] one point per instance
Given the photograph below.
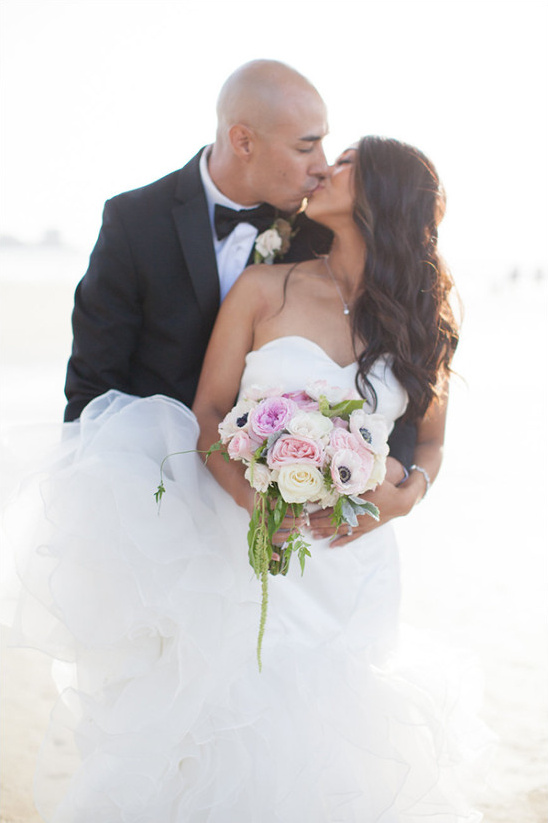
(264, 610)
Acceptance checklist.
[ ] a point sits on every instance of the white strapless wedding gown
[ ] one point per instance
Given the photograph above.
(156, 619)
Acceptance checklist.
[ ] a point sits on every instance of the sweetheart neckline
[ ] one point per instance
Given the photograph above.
(307, 340)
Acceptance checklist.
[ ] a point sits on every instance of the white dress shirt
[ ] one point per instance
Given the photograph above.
(232, 252)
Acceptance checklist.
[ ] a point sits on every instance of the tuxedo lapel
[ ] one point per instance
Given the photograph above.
(194, 232)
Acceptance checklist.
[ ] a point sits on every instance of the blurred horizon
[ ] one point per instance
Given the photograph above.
(102, 98)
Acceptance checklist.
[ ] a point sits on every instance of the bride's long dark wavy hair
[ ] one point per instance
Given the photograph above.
(403, 308)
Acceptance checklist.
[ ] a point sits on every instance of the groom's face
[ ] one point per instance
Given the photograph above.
(288, 159)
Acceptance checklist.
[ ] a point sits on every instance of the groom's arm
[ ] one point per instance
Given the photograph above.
(106, 319)
(402, 443)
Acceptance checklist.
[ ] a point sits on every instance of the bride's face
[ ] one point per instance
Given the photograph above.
(334, 197)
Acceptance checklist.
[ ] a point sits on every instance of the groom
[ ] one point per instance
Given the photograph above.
(168, 253)
(165, 259)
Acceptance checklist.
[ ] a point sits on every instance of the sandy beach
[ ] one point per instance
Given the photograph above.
(474, 554)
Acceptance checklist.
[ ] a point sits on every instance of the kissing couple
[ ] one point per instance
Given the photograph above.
(202, 287)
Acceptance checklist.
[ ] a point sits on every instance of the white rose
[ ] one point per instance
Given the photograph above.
(328, 497)
(310, 424)
(371, 430)
(300, 483)
(378, 474)
(258, 476)
(333, 394)
(268, 243)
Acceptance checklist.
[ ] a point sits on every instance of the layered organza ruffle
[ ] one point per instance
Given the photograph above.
(163, 716)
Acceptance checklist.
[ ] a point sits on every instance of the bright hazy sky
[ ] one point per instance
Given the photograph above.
(100, 97)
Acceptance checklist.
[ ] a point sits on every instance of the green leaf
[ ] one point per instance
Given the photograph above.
(303, 554)
(324, 406)
(276, 516)
(160, 491)
(348, 512)
(254, 539)
(297, 509)
(370, 509)
(272, 438)
(337, 516)
(296, 543)
(215, 447)
(258, 453)
(344, 409)
(359, 508)
(218, 447)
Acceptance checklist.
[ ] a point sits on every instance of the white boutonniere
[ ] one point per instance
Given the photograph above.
(274, 242)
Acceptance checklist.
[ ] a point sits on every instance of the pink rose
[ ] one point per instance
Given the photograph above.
(340, 438)
(242, 446)
(271, 415)
(290, 449)
(339, 423)
(303, 400)
(351, 470)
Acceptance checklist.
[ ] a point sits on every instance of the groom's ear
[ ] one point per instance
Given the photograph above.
(241, 139)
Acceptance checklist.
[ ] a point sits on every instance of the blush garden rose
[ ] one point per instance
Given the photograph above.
(290, 449)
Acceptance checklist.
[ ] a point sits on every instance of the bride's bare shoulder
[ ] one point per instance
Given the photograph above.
(261, 282)
(265, 274)
(268, 279)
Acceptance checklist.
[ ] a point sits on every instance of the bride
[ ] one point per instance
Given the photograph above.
(368, 312)
(156, 617)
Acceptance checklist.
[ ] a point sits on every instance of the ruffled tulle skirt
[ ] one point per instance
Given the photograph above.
(152, 618)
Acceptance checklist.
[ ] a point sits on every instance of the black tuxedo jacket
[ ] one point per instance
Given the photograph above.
(145, 309)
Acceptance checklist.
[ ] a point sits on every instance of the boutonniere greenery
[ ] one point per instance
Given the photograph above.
(273, 243)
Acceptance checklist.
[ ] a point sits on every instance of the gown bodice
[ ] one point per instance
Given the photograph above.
(290, 362)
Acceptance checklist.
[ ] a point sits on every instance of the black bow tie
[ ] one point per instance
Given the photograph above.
(227, 219)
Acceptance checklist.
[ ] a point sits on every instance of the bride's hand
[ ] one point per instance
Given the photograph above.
(391, 500)
(289, 524)
(398, 494)
(395, 472)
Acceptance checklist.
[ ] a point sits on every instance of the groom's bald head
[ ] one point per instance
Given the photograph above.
(259, 93)
(271, 121)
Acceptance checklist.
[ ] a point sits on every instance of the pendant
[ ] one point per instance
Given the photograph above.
(346, 310)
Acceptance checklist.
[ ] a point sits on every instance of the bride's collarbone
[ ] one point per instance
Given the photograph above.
(310, 314)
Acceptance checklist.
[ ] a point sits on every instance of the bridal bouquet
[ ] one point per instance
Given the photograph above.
(316, 446)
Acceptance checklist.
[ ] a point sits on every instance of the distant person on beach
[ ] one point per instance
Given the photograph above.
(168, 253)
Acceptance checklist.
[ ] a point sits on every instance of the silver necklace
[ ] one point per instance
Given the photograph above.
(346, 309)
